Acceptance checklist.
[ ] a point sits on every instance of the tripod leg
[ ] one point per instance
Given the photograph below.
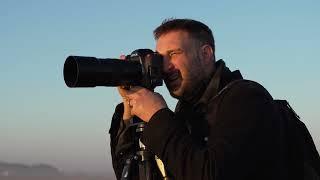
(145, 170)
(126, 169)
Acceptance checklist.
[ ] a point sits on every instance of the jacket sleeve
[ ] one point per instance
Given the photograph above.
(121, 141)
(235, 144)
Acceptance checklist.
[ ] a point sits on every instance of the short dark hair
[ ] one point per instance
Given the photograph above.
(194, 28)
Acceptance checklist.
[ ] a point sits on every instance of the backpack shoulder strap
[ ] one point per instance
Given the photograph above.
(302, 151)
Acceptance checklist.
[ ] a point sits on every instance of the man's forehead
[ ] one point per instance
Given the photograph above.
(174, 35)
(171, 41)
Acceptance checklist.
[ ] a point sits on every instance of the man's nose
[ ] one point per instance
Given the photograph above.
(167, 65)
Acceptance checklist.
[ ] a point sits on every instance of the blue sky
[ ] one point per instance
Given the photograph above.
(273, 42)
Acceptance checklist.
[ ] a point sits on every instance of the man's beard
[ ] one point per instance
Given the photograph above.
(189, 90)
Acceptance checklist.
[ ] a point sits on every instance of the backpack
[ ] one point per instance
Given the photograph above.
(303, 156)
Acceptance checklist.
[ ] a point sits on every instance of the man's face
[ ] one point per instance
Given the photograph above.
(182, 64)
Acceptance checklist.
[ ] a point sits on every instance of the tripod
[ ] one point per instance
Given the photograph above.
(149, 166)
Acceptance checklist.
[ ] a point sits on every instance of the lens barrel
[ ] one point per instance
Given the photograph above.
(81, 71)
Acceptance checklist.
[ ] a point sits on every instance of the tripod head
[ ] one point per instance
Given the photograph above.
(149, 166)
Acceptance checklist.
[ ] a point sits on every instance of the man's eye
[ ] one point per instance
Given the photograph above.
(172, 54)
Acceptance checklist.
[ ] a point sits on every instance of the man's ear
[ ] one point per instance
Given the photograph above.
(207, 54)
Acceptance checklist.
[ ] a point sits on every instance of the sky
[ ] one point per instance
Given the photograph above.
(275, 43)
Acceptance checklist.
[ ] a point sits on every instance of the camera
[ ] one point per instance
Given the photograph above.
(142, 67)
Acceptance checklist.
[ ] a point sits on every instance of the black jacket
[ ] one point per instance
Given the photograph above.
(229, 133)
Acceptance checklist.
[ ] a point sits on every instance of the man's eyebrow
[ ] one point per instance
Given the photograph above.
(170, 51)
(174, 50)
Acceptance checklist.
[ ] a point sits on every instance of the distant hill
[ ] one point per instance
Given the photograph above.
(15, 169)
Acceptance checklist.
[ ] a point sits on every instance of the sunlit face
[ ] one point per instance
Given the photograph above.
(183, 67)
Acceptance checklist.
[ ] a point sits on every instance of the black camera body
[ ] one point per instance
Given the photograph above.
(142, 67)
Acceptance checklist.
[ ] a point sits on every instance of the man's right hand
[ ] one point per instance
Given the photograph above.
(126, 105)
(127, 109)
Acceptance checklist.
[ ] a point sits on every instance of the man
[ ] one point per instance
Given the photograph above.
(223, 127)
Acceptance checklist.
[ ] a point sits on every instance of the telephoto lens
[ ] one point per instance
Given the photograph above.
(81, 71)
(142, 67)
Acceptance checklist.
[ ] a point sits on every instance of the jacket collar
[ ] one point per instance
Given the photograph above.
(220, 78)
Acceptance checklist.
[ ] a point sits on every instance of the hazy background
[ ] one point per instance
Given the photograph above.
(274, 42)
